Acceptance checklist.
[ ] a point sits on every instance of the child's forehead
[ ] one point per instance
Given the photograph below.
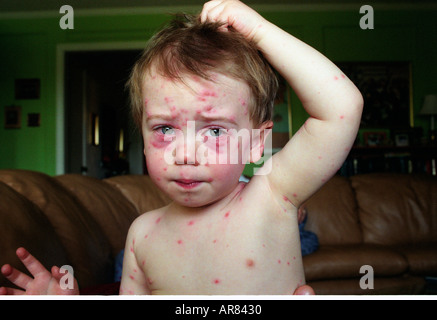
(194, 82)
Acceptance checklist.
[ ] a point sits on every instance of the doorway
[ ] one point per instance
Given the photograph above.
(99, 136)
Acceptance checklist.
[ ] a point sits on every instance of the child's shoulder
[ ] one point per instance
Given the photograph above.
(143, 221)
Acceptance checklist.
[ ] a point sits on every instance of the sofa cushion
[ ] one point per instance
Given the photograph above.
(331, 262)
(396, 209)
(24, 225)
(141, 191)
(109, 208)
(422, 258)
(391, 285)
(332, 213)
(83, 240)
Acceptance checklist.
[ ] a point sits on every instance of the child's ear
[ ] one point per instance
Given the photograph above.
(258, 140)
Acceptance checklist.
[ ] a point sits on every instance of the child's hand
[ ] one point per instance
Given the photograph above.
(42, 283)
(237, 15)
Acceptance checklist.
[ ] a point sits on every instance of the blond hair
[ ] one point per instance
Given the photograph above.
(187, 46)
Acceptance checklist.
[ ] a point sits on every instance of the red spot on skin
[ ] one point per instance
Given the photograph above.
(132, 277)
(158, 220)
(149, 280)
(294, 258)
(295, 195)
(241, 198)
(279, 261)
(343, 76)
(144, 262)
(216, 281)
(131, 249)
(335, 78)
(341, 117)
(227, 214)
(288, 262)
(214, 241)
(250, 263)
(146, 236)
(190, 223)
(165, 169)
(179, 241)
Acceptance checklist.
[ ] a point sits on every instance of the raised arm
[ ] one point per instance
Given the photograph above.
(333, 103)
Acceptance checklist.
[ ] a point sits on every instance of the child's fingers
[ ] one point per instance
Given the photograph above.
(10, 291)
(212, 11)
(206, 8)
(31, 263)
(16, 277)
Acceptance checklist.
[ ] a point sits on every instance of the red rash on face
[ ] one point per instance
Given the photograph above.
(206, 93)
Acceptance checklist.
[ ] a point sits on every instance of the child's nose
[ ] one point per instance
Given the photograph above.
(186, 150)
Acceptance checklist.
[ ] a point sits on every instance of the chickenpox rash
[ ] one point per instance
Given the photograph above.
(250, 263)
(190, 223)
(180, 241)
(227, 214)
(158, 220)
(205, 94)
(216, 281)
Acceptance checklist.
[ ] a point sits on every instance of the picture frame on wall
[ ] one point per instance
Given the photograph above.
(387, 92)
(12, 117)
(375, 138)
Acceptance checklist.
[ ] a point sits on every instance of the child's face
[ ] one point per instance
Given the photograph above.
(187, 129)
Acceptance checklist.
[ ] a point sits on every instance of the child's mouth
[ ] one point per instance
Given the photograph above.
(188, 184)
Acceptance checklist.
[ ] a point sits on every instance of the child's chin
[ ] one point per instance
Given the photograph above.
(193, 203)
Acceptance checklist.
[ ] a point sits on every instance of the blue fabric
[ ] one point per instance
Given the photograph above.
(308, 240)
(118, 266)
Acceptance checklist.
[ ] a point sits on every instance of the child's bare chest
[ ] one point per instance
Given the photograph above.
(238, 249)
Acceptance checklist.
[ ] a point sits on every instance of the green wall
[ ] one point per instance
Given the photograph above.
(29, 42)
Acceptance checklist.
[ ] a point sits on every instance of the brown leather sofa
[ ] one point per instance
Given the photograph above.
(386, 221)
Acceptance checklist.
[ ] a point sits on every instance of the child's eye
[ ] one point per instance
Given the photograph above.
(165, 130)
(215, 132)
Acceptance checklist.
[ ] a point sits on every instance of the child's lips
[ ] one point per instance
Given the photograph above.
(188, 184)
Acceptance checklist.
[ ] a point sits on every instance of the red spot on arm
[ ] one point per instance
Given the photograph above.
(250, 263)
